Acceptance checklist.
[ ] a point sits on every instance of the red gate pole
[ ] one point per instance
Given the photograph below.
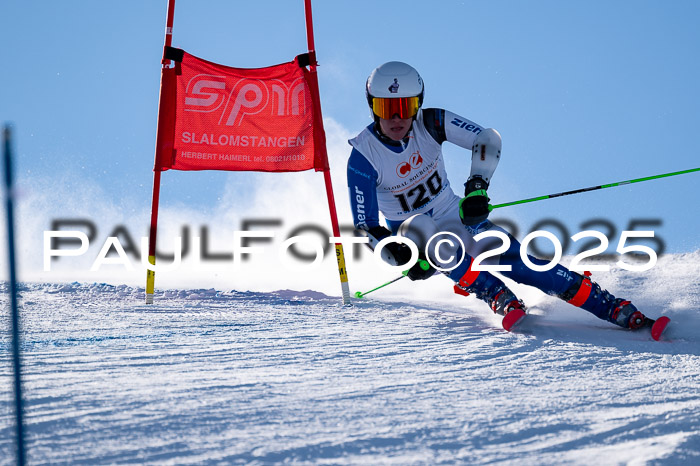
(340, 256)
(157, 170)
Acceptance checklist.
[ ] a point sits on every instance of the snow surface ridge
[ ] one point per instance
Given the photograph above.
(247, 377)
(671, 288)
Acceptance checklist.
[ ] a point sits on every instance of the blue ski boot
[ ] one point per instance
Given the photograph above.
(588, 295)
(624, 314)
(491, 290)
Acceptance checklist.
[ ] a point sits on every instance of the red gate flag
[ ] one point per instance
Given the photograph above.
(216, 117)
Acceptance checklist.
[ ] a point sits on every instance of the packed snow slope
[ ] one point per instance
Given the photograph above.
(240, 377)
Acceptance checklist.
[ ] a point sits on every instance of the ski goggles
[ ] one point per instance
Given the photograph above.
(387, 107)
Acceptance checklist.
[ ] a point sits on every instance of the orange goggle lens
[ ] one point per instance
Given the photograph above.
(387, 107)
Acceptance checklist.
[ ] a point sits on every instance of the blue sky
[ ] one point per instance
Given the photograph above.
(583, 93)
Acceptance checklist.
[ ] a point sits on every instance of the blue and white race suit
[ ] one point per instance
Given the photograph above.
(406, 180)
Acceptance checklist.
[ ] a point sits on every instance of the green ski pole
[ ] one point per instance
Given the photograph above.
(423, 265)
(592, 188)
(360, 294)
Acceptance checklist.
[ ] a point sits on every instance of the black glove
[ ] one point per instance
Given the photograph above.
(400, 252)
(420, 270)
(474, 207)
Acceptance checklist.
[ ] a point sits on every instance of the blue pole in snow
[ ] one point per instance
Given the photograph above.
(9, 207)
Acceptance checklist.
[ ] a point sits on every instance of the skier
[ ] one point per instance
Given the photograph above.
(396, 167)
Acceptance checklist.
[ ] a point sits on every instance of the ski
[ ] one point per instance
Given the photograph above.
(513, 318)
(516, 316)
(657, 326)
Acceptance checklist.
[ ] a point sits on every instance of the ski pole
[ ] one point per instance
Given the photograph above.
(360, 294)
(592, 188)
(14, 293)
(423, 265)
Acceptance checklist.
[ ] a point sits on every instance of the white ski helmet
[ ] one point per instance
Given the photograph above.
(394, 83)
